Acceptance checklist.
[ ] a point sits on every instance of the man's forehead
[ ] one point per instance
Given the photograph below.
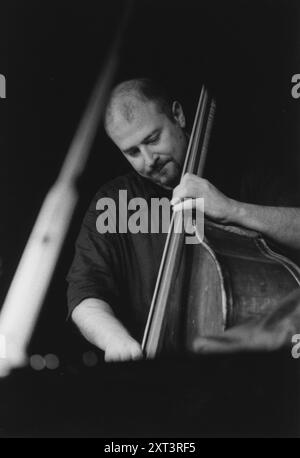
(127, 133)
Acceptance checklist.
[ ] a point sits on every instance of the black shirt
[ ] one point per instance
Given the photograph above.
(119, 268)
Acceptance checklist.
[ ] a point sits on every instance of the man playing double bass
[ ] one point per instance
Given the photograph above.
(112, 278)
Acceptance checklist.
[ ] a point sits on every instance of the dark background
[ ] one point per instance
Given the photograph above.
(51, 53)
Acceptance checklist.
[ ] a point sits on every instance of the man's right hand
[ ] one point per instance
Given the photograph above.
(122, 349)
(97, 322)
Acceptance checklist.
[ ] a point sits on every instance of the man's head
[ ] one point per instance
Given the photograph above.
(148, 129)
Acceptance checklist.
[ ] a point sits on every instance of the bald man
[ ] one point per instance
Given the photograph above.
(112, 278)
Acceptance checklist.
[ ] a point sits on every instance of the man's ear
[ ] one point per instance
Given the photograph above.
(178, 114)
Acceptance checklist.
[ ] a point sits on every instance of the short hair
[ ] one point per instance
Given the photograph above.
(143, 89)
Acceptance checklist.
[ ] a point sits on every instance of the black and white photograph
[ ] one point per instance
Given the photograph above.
(150, 230)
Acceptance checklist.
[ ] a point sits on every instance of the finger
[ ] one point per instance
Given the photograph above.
(189, 176)
(180, 191)
(137, 354)
(189, 204)
(113, 356)
(4, 369)
(109, 357)
(125, 356)
(184, 205)
(175, 201)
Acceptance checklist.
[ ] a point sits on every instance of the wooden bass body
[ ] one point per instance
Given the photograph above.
(233, 276)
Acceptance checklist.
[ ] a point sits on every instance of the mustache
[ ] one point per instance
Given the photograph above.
(157, 167)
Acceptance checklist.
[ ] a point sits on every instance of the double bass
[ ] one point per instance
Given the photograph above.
(233, 274)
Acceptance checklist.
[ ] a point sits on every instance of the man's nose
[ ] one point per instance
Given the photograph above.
(149, 157)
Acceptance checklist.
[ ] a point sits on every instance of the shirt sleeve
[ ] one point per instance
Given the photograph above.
(94, 272)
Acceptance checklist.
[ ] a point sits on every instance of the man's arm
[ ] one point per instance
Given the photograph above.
(281, 224)
(98, 324)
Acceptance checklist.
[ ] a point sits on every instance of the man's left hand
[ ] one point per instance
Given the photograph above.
(216, 205)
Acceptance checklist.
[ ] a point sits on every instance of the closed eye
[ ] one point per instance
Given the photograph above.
(132, 152)
(153, 140)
